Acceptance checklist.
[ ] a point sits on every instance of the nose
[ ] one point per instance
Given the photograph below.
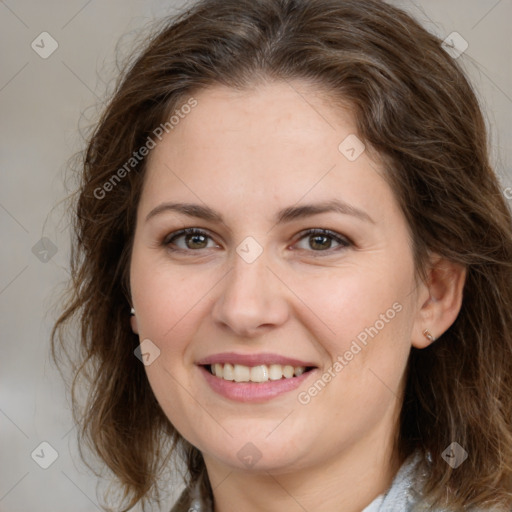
(252, 298)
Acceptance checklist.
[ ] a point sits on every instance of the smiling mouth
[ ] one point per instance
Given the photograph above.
(257, 374)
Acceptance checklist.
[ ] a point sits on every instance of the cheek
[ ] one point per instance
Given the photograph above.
(354, 303)
(365, 321)
(170, 303)
(167, 298)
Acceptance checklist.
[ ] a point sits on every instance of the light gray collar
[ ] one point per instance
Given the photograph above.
(402, 495)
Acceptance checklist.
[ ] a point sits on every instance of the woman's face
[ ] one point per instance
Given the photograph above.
(258, 292)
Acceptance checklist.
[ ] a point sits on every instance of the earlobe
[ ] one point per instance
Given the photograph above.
(133, 321)
(430, 337)
(444, 292)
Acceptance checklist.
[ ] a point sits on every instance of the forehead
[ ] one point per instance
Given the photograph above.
(273, 142)
(277, 115)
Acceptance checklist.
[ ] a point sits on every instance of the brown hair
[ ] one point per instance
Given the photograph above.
(415, 108)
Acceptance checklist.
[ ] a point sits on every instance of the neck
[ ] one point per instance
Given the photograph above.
(348, 482)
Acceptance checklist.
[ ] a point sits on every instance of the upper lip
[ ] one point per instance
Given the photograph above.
(252, 359)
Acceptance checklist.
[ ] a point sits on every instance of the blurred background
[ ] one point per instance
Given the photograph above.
(58, 61)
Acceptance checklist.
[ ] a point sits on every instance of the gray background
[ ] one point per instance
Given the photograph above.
(43, 102)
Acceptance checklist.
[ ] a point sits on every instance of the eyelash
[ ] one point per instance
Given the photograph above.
(343, 241)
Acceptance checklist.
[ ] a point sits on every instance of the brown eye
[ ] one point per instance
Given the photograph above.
(194, 239)
(321, 240)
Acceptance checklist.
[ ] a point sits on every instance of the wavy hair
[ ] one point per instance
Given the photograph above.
(414, 106)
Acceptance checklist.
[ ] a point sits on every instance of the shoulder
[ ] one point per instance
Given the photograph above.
(406, 491)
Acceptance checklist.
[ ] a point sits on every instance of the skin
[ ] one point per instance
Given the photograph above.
(248, 154)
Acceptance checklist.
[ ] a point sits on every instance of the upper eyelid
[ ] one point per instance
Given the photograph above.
(186, 231)
(341, 239)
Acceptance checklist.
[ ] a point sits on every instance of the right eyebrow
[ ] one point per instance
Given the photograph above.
(189, 209)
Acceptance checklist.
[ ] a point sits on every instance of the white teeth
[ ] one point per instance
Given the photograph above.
(288, 371)
(242, 373)
(260, 373)
(218, 370)
(275, 371)
(228, 372)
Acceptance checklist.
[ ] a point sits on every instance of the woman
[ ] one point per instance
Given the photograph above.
(294, 201)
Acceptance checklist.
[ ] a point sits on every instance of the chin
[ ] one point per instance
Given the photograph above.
(259, 455)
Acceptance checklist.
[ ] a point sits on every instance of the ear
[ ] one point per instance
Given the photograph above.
(439, 300)
(133, 323)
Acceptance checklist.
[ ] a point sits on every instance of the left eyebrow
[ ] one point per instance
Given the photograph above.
(285, 215)
(335, 205)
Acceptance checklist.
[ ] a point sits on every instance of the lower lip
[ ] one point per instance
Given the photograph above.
(253, 391)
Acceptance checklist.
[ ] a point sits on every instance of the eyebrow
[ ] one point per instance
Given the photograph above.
(285, 215)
